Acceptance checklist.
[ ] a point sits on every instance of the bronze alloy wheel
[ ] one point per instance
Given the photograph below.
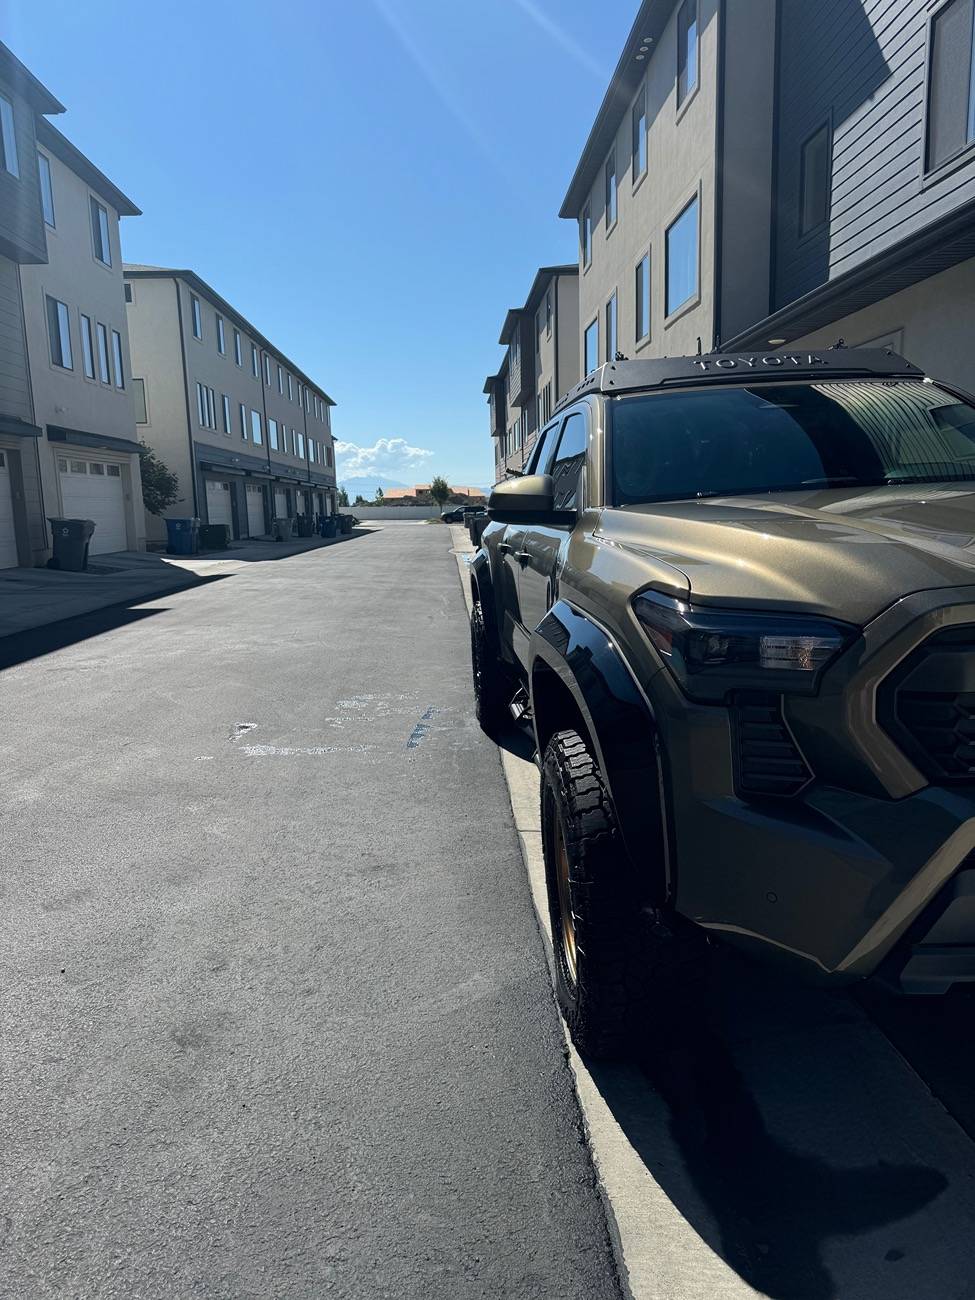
(567, 928)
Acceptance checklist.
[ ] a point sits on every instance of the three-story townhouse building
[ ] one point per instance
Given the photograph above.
(540, 365)
(78, 348)
(247, 433)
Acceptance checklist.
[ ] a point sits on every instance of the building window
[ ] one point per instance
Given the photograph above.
(682, 258)
(59, 333)
(611, 317)
(197, 316)
(643, 298)
(299, 440)
(257, 429)
(206, 406)
(103, 371)
(117, 358)
(284, 440)
(548, 313)
(272, 433)
(47, 188)
(237, 353)
(585, 234)
(951, 91)
(255, 367)
(8, 138)
(280, 381)
(686, 50)
(127, 290)
(242, 413)
(814, 181)
(201, 405)
(87, 347)
(139, 396)
(225, 412)
(221, 340)
(611, 191)
(267, 370)
(639, 128)
(291, 391)
(307, 402)
(100, 233)
(311, 450)
(591, 347)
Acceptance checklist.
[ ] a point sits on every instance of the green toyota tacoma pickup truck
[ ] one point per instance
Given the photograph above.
(735, 597)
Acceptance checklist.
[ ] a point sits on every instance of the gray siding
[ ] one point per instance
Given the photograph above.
(22, 234)
(862, 65)
(14, 386)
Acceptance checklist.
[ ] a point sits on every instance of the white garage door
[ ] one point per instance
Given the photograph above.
(92, 489)
(8, 538)
(255, 511)
(218, 505)
(280, 503)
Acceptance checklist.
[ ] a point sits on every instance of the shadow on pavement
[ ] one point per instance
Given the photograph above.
(34, 643)
(787, 1133)
(261, 550)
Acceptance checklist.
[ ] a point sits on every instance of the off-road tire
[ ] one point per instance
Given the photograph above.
(492, 689)
(639, 969)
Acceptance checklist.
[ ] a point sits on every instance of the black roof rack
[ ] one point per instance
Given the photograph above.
(724, 367)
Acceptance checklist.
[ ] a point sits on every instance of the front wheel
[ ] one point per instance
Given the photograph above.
(624, 969)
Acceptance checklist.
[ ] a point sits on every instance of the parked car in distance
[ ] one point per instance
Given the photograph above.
(460, 514)
(735, 596)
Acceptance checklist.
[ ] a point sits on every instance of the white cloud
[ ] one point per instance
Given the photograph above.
(390, 456)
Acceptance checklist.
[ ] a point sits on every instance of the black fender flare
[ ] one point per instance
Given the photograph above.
(620, 722)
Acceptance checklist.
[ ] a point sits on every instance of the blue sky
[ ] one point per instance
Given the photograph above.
(372, 182)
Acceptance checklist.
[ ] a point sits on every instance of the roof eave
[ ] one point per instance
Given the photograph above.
(51, 138)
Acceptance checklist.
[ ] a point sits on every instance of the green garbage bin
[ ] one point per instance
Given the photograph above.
(71, 538)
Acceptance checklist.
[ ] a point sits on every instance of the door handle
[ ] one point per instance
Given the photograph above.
(523, 557)
(504, 548)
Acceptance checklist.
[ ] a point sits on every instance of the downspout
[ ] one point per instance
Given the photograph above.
(186, 399)
(719, 118)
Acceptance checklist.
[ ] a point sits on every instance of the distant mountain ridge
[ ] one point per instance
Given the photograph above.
(362, 485)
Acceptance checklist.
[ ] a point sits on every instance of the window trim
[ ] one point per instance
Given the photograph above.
(61, 318)
(47, 192)
(196, 318)
(96, 210)
(225, 414)
(10, 116)
(613, 301)
(825, 125)
(691, 91)
(259, 427)
(134, 380)
(932, 173)
(585, 332)
(221, 335)
(87, 347)
(641, 341)
(255, 363)
(637, 178)
(585, 235)
(238, 349)
(695, 300)
(118, 360)
(611, 157)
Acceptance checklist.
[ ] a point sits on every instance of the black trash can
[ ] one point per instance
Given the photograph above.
(306, 526)
(71, 539)
(214, 537)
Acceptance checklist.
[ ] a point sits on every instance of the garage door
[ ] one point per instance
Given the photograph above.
(280, 503)
(8, 538)
(255, 511)
(92, 489)
(218, 505)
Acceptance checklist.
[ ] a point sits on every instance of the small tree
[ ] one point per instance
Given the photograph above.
(160, 486)
(379, 497)
(343, 497)
(360, 500)
(440, 491)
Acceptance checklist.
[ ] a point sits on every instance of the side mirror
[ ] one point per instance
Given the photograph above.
(527, 500)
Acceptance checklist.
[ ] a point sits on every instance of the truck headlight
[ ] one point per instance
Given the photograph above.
(712, 652)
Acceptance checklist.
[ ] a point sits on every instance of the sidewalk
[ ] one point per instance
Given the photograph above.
(31, 598)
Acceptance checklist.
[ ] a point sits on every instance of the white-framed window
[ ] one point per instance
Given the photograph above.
(104, 372)
(686, 50)
(951, 82)
(612, 188)
(682, 258)
(255, 365)
(299, 443)
(100, 233)
(117, 359)
(612, 314)
(585, 235)
(242, 413)
(201, 405)
(196, 313)
(206, 406)
(47, 188)
(78, 466)
(638, 122)
(307, 402)
(257, 428)
(87, 347)
(311, 450)
(8, 138)
(642, 297)
(272, 433)
(284, 440)
(59, 333)
(127, 291)
(590, 346)
(221, 338)
(139, 397)
(291, 393)
(225, 410)
(267, 370)
(237, 353)
(280, 381)
(114, 471)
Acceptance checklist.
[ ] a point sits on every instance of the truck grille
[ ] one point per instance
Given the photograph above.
(769, 762)
(929, 706)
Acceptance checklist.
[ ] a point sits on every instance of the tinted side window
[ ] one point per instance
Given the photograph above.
(542, 451)
(569, 460)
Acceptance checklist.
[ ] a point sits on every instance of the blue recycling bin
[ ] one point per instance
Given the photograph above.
(182, 536)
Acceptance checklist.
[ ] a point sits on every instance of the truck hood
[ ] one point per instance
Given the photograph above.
(846, 552)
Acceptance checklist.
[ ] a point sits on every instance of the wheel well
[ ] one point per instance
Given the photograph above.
(554, 708)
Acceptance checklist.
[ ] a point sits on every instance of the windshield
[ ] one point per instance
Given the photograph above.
(788, 437)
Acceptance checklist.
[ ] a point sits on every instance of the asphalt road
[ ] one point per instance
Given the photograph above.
(276, 1018)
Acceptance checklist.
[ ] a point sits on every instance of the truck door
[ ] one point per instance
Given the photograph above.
(538, 583)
